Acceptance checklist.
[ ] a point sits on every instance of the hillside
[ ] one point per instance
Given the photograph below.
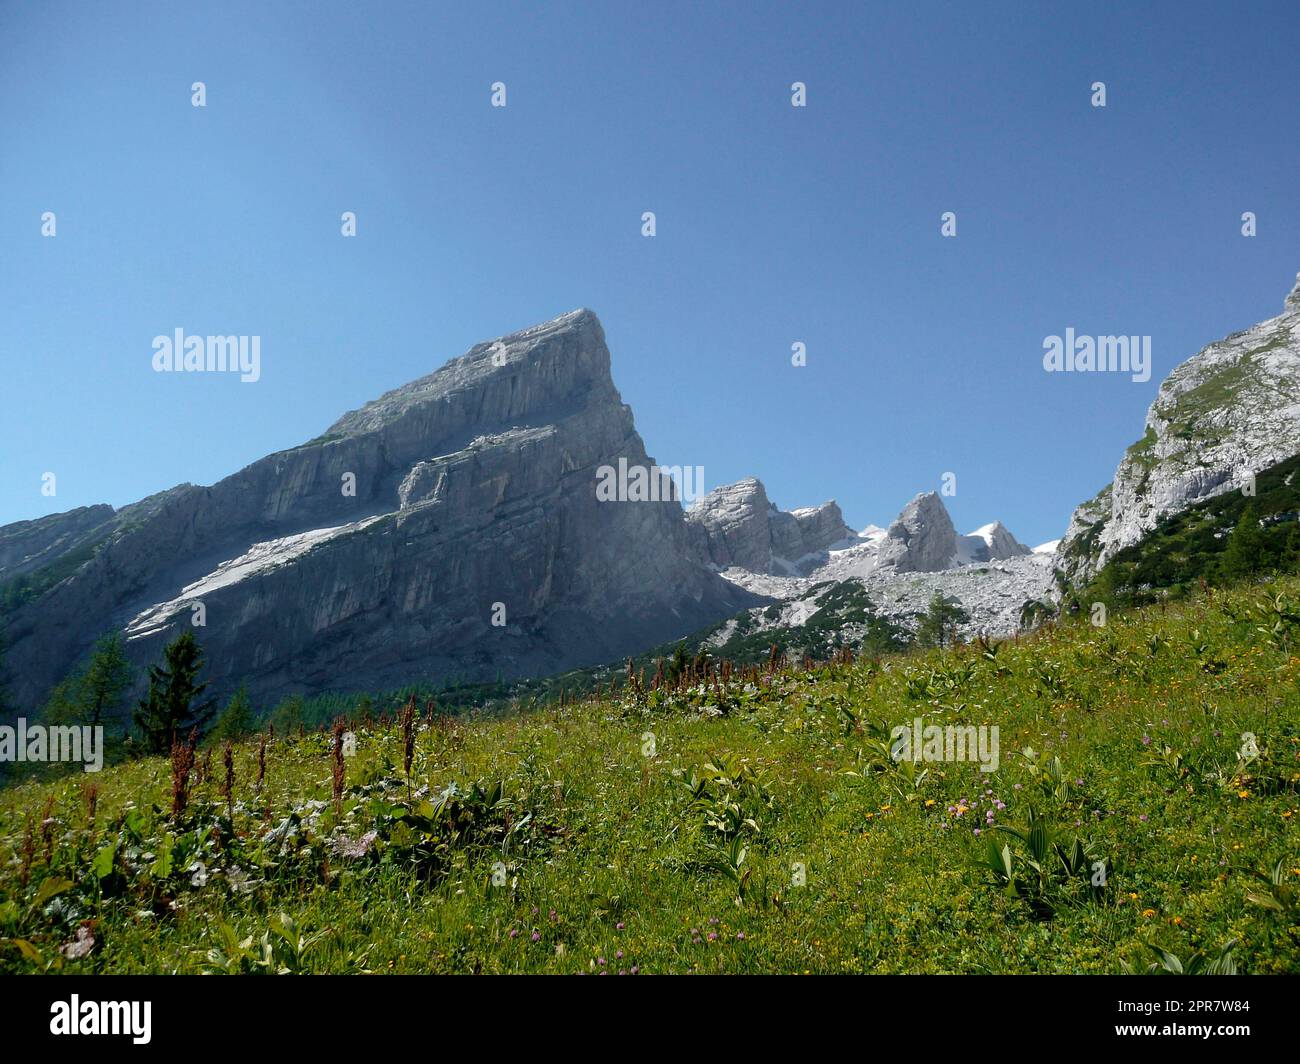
(1191, 546)
(754, 822)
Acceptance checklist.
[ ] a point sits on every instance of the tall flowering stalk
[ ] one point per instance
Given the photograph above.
(182, 766)
(407, 721)
(228, 784)
(340, 769)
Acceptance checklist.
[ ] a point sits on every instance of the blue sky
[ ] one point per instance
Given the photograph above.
(775, 225)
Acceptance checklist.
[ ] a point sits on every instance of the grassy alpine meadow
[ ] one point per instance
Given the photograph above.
(1142, 815)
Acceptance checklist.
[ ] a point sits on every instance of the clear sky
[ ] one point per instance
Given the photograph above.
(775, 224)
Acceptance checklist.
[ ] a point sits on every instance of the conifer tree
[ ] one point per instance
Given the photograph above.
(1244, 556)
(237, 719)
(172, 707)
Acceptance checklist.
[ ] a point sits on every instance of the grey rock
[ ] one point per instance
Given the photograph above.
(1222, 416)
(737, 525)
(993, 542)
(475, 485)
(733, 527)
(921, 539)
(821, 527)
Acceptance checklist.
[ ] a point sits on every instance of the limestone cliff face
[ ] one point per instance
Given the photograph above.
(921, 539)
(737, 525)
(1228, 412)
(474, 486)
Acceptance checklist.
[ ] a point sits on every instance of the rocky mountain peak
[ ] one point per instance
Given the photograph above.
(1293, 299)
(737, 525)
(536, 370)
(991, 543)
(921, 539)
(385, 550)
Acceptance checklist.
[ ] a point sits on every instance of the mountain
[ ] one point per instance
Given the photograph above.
(737, 525)
(809, 559)
(385, 549)
(1220, 418)
(990, 543)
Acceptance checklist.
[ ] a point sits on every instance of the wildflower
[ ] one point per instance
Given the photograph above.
(713, 936)
(1143, 818)
(740, 936)
(1243, 794)
(537, 937)
(636, 969)
(200, 877)
(349, 744)
(618, 926)
(930, 801)
(514, 932)
(1148, 913)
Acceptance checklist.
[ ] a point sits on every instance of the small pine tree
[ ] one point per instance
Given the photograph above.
(106, 679)
(289, 715)
(236, 720)
(679, 663)
(941, 617)
(171, 709)
(1244, 555)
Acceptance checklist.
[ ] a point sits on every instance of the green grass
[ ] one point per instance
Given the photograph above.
(615, 849)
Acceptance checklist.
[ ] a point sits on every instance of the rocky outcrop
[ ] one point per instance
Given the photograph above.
(448, 530)
(921, 539)
(1225, 414)
(819, 528)
(737, 525)
(990, 543)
